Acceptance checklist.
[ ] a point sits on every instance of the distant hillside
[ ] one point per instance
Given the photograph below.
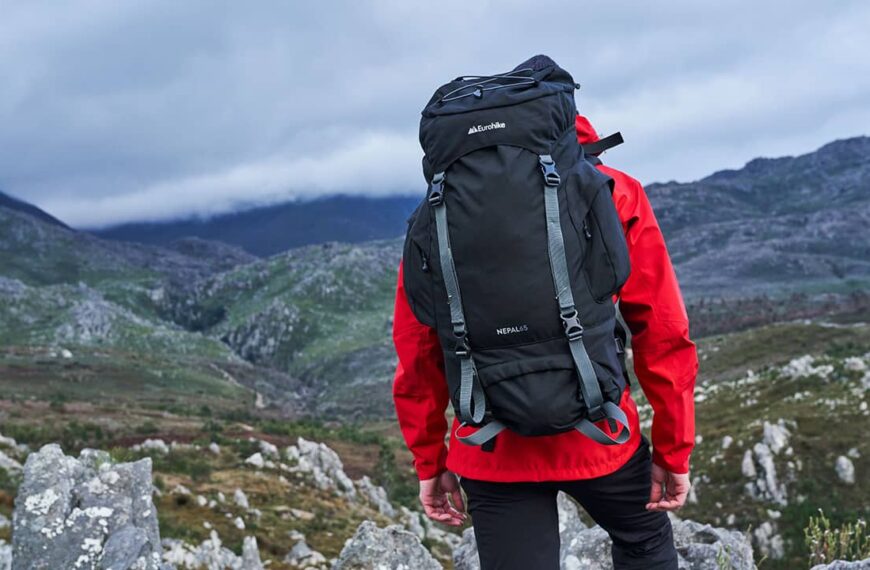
(273, 229)
(777, 240)
(12, 203)
(776, 223)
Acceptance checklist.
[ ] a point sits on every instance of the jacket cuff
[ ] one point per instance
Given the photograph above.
(431, 469)
(671, 463)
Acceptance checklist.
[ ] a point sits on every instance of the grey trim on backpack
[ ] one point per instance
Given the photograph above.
(483, 435)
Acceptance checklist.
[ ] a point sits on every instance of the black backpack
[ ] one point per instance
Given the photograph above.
(514, 256)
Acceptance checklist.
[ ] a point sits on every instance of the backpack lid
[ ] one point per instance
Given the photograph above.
(536, 77)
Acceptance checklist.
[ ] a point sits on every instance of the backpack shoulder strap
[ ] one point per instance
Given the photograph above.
(598, 409)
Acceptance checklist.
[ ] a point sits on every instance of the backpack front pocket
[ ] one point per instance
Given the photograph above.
(537, 396)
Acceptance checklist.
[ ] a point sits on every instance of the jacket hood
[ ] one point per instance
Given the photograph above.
(585, 132)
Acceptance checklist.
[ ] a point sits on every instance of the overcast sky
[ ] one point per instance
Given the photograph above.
(117, 111)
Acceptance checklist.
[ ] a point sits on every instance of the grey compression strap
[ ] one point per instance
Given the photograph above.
(614, 416)
(559, 266)
(472, 402)
(589, 388)
(484, 434)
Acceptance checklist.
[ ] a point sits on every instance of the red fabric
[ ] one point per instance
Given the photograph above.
(665, 362)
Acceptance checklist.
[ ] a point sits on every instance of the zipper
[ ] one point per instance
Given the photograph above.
(424, 266)
(586, 231)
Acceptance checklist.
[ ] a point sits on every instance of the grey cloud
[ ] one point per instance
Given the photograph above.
(116, 111)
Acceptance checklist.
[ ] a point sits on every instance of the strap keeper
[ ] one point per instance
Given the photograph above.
(436, 190)
(548, 167)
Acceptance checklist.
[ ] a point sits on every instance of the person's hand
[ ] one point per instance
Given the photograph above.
(669, 490)
(441, 498)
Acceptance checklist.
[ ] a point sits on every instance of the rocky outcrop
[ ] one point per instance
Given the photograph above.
(699, 546)
(324, 466)
(85, 513)
(390, 548)
(211, 555)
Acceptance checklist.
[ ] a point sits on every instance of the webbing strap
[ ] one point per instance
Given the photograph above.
(559, 266)
(599, 146)
(483, 435)
(615, 415)
(472, 402)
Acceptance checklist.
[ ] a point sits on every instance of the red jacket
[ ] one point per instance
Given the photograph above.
(665, 362)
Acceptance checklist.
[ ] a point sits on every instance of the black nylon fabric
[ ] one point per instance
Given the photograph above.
(494, 198)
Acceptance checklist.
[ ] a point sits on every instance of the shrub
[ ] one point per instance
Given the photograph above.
(848, 542)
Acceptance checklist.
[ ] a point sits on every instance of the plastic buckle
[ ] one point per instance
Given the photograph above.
(463, 350)
(596, 414)
(573, 328)
(436, 190)
(548, 167)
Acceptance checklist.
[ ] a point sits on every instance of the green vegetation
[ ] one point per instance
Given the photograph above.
(825, 544)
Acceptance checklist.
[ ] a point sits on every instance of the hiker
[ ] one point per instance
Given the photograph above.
(506, 311)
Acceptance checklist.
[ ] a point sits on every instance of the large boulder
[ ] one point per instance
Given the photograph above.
(85, 513)
(390, 548)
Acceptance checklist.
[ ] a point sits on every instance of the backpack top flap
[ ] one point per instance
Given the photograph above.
(529, 107)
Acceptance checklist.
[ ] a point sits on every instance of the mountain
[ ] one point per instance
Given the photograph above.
(272, 229)
(777, 240)
(12, 203)
(784, 223)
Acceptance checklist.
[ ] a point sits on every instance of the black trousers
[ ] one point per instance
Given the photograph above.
(517, 524)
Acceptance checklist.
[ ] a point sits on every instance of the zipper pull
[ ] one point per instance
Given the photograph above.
(586, 231)
(425, 266)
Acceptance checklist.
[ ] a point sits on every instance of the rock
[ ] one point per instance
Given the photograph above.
(4, 522)
(699, 547)
(390, 548)
(303, 556)
(747, 467)
(256, 460)
(155, 445)
(727, 441)
(8, 464)
(703, 547)
(85, 513)
(376, 495)
(835, 565)
(776, 436)
(251, 554)
(214, 448)
(855, 364)
(211, 555)
(767, 487)
(5, 556)
(845, 470)
(323, 464)
(239, 523)
(241, 499)
(269, 450)
(769, 542)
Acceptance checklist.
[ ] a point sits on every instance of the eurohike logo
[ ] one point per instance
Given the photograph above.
(480, 128)
(512, 330)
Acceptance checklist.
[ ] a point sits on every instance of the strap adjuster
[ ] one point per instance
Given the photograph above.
(463, 349)
(436, 189)
(548, 167)
(573, 328)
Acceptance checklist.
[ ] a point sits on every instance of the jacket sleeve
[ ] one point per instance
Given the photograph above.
(419, 388)
(665, 359)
